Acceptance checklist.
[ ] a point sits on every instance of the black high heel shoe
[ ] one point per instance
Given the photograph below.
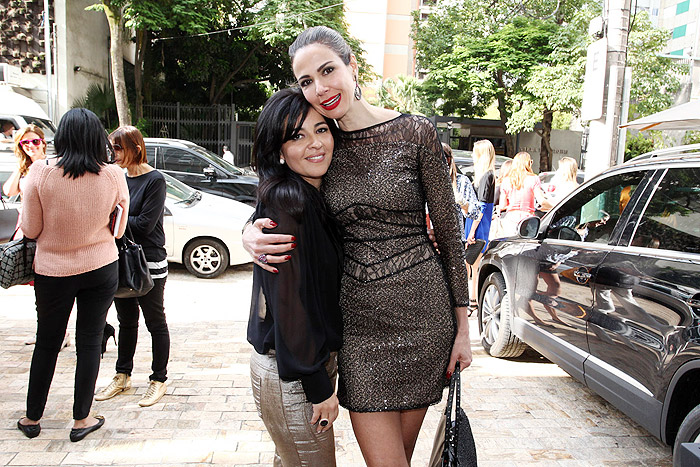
(106, 334)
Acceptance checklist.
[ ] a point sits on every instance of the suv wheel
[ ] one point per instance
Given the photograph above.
(495, 319)
(689, 432)
(206, 258)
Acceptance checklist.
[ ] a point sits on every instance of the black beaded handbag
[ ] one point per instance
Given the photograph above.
(454, 442)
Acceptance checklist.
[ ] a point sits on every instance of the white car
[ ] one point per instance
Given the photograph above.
(203, 231)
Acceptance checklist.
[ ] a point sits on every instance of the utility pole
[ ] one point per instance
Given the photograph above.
(47, 59)
(604, 135)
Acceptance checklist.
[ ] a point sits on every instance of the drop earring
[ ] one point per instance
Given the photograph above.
(358, 92)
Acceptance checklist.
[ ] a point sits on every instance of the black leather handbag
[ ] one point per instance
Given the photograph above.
(473, 250)
(134, 277)
(454, 442)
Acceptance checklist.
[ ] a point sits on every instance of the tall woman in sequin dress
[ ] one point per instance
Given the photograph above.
(404, 306)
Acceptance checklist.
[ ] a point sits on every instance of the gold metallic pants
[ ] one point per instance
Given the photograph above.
(286, 413)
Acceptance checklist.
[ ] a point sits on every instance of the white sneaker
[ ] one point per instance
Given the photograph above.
(155, 391)
(120, 383)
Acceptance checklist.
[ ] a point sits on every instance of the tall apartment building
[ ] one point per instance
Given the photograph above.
(384, 27)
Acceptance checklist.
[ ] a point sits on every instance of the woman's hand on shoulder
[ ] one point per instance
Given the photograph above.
(266, 246)
(326, 410)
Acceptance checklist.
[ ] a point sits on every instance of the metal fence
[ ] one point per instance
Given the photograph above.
(212, 127)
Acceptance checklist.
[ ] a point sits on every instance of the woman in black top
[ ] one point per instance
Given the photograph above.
(295, 321)
(147, 190)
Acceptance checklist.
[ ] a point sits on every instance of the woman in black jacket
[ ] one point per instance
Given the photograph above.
(147, 190)
(295, 323)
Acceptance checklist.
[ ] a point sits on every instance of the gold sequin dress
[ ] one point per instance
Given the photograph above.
(397, 293)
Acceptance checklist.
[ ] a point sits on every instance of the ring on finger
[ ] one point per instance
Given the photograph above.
(323, 422)
(262, 258)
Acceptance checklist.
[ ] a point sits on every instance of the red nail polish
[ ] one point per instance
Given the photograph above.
(449, 374)
(294, 245)
(273, 223)
(275, 271)
(288, 257)
(294, 239)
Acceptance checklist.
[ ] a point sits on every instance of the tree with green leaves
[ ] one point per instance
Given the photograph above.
(402, 94)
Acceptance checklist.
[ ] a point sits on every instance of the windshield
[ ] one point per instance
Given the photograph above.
(211, 157)
(45, 125)
(177, 190)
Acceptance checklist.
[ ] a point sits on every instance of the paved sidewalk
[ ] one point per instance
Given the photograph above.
(524, 412)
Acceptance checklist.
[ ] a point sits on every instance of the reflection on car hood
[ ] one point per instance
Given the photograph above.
(212, 207)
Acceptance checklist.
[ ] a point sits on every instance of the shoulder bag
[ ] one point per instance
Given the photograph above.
(134, 277)
(8, 221)
(454, 442)
(466, 189)
(17, 262)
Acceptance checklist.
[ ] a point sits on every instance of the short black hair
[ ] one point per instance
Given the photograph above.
(81, 143)
(280, 120)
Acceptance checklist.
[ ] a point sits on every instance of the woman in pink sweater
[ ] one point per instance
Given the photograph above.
(67, 203)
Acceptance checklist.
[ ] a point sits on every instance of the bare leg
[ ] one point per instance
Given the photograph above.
(387, 439)
(474, 277)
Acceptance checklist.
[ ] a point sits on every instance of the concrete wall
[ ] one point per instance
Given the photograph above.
(82, 41)
(565, 143)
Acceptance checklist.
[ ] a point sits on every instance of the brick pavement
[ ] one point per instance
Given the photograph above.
(524, 412)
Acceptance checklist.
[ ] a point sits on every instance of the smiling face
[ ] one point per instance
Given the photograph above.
(327, 82)
(310, 150)
(34, 151)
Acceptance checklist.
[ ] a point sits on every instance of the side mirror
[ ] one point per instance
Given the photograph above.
(210, 173)
(528, 227)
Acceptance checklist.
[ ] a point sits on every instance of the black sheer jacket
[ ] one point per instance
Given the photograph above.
(296, 312)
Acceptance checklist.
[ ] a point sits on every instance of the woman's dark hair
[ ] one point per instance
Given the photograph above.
(81, 143)
(280, 120)
(325, 36)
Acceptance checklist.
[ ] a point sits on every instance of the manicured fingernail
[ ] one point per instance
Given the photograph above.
(273, 223)
(294, 239)
(288, 257)
(275, 271)
(294, 245)
(449, 374)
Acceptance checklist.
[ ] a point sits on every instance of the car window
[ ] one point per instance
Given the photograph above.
(671, 221)
(214, 158)
(591, 214)
(151, 155)
(179, 160)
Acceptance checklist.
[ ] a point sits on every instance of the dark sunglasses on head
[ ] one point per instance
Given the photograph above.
(35, 142)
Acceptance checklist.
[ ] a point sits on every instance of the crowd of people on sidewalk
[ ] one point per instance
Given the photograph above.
(355, 302)
(67, 206)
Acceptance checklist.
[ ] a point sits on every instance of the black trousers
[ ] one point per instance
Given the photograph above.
(151, 306)
(55, 296)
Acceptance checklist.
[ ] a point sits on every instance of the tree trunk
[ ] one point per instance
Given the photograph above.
(141, 44)
(503, 113)
(546, 144)
(115, 19)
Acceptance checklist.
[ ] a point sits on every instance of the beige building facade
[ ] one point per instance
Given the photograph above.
(384, 27)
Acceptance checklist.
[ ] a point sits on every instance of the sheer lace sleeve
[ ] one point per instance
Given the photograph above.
(434, 176)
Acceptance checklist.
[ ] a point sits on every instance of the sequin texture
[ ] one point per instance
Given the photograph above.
(397, 293)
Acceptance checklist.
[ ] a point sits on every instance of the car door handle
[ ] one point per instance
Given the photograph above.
(582, 275)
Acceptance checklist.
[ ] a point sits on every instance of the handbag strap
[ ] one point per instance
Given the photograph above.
(449, 434)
